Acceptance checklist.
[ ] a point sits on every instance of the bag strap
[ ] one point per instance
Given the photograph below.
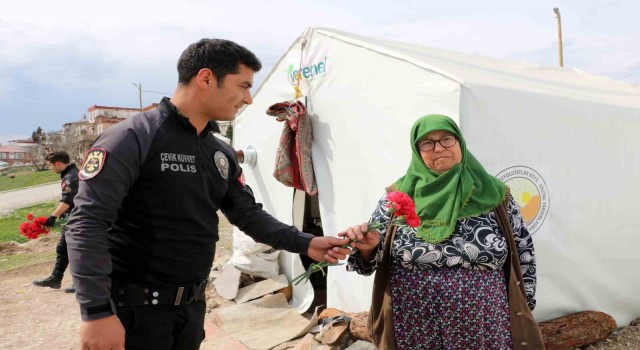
(388, 238)
(380, 319)
(502, 217)
(388, 242)
(381, 280)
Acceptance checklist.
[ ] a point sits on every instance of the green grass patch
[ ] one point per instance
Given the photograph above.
(10, 224)
(9, 262)
(26, 179)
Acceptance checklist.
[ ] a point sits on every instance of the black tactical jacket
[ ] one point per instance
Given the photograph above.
(69, 186)
(146, 208)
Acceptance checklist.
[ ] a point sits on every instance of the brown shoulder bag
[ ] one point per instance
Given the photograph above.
(381, 329)
(525, 333)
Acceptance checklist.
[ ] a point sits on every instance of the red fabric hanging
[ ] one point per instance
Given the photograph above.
(294, 166)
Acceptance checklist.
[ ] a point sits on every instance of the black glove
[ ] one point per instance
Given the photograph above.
(51, 220)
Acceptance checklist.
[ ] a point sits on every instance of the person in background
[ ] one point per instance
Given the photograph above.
(447, 281)
(142, 236)
(59, 163)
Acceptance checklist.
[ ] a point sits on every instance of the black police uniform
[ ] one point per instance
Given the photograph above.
(69, 186)
(142, 236)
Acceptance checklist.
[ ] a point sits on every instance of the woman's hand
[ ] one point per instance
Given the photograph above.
(363, 239)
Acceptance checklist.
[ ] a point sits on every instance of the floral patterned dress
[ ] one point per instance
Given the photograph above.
(452, 295)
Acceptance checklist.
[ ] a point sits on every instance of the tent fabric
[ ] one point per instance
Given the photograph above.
(552, 134)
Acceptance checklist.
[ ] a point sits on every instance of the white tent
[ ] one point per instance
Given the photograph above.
(564, 140)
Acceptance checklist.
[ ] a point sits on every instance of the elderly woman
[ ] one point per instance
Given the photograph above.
(447, 281)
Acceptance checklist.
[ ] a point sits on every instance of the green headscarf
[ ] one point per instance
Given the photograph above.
(464, 190)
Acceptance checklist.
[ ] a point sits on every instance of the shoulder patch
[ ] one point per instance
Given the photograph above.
(222, 163)
(93, 163)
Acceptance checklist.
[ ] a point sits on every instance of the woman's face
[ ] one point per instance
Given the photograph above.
(440, 158)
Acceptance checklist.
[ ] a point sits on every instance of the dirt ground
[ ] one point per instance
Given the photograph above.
(43, 318)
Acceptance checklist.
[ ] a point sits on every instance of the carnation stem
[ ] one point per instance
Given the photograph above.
(319, 266)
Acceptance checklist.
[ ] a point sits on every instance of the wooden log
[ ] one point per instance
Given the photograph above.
(577, 330)
(567, 332)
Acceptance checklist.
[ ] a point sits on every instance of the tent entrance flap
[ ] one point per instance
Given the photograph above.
(306, 217)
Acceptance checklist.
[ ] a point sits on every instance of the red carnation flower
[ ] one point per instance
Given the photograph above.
(401, 204)
(33, 227)
(413, 220)
(402, 210)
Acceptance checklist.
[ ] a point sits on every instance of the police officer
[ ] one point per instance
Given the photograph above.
(142, 236)
(59, 163)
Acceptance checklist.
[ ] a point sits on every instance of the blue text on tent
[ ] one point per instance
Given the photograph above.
(307, 72)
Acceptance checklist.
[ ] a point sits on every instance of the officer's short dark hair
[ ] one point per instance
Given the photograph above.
(221, 56)
(58, 156)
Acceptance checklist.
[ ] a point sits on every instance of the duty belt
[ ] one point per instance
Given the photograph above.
(135, 295)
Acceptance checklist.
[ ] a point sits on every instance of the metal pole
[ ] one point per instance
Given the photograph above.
(557, 11)
(140, 94)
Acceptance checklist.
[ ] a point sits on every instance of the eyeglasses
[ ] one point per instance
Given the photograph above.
(446, 142)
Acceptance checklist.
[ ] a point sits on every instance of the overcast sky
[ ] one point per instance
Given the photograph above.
(57, 58)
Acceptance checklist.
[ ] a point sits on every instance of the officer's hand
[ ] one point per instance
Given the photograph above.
(328, 249)
(102, 334)
(51, 220)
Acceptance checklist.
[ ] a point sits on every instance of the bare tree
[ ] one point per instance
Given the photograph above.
(45, 144)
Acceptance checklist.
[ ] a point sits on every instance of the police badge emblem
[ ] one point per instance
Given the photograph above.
(93, 163)
(222, 163)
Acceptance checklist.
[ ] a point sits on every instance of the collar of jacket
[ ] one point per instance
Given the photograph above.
(173, 111)
(67, 169)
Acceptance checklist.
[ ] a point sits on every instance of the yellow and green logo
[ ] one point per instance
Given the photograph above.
(530, 192)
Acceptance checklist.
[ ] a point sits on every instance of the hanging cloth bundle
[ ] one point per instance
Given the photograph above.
(294, 167)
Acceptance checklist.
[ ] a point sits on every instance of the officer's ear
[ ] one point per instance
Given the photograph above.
(206, 79)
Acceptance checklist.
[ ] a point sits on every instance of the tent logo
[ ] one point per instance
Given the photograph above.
(309, 72)
(530, 192)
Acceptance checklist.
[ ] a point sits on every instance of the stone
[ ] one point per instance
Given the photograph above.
(577, 330)
(361, 345)
(359, 326)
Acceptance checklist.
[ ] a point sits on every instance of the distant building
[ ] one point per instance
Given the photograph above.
(15, 155)
(150, 107)
(26, 143)
(79, 136)
(96, 111)
(102, 123)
